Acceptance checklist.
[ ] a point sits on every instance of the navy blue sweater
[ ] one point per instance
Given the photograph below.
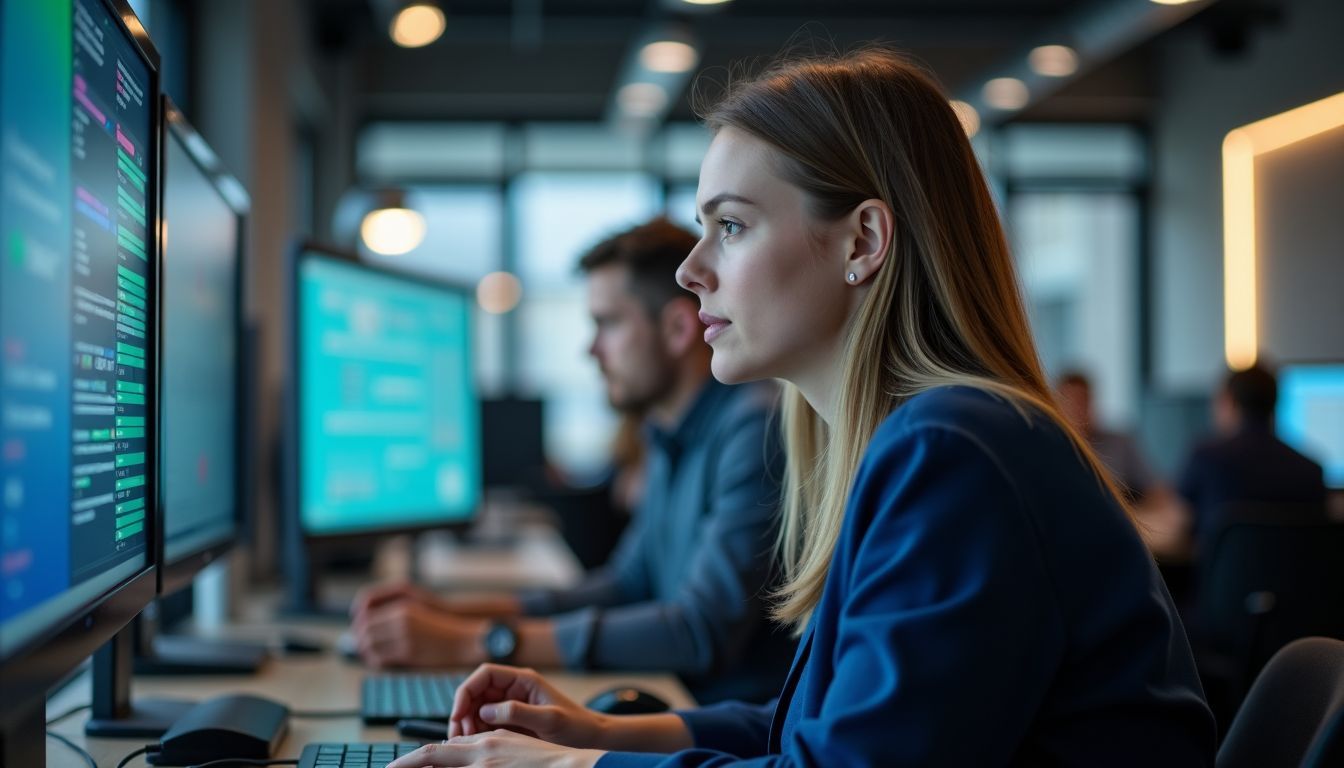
(988, 605)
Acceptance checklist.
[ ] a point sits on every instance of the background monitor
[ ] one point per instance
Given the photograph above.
(78, 308)
(386, 413)
(513, 453)
(1310, 415)
(204, 211)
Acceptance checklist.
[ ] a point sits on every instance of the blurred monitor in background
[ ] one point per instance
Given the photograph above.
(1310, 415)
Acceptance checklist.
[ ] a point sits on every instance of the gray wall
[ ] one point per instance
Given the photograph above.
(1300, 242)
(1203, 96)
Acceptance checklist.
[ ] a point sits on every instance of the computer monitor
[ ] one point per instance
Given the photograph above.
(204, 212)
(513, 452)
(384, 417)
(79, 144)
(1310, 415)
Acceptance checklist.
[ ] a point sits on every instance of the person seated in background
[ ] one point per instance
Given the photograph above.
(1163, 521)
(1244, 461)
(685, 589)
(1118, 450)
(966, 582)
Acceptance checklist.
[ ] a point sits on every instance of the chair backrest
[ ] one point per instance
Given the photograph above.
(1274, 574)
(1294, 714)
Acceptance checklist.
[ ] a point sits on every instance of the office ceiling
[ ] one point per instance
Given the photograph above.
(562, 59)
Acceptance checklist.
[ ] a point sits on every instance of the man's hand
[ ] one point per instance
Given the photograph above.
(412, 633)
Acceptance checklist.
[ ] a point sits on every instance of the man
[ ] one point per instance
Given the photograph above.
(1244, 461)
(686, 587)
(1117, 450)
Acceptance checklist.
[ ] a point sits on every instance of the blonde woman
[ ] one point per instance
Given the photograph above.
(965, 577)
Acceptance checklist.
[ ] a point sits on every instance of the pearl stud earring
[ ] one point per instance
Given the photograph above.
(852, 277)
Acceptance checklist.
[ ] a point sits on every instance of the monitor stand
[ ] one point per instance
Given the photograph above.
(114, 714)
(169, 655)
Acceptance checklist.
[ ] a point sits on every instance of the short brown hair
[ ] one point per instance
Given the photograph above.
(651, 252)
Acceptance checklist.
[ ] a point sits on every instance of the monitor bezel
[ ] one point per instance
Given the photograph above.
(310, 249)
(32, 668)
(177, 574)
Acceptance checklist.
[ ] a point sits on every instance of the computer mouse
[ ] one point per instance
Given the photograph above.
(627, 701)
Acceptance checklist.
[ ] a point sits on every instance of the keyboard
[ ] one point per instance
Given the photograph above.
(353, 755)
(385, 699)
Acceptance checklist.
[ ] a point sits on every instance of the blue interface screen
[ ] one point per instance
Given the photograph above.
(388, 418)
(77, 299)
(1310, 415)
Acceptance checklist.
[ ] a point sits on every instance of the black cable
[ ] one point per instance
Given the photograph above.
(125, 761)
(320, 713)
(241, 761)
(67, 713)
(78, 749)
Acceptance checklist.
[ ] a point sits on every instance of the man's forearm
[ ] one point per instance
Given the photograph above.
(536, 644)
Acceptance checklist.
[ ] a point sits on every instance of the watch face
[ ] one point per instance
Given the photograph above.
(500, 642)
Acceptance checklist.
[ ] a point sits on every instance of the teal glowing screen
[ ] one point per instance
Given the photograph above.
(388, 419)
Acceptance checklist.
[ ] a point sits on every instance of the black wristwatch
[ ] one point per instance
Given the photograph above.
(501, 643)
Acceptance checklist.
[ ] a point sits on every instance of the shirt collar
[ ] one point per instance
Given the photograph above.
(695, 421)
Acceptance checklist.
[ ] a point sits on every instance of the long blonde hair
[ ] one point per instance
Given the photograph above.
(944, 309)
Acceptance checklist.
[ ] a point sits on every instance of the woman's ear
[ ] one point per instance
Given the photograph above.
(871, 226)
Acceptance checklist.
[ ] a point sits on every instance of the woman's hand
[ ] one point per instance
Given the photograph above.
(497, 748)
(496, 696)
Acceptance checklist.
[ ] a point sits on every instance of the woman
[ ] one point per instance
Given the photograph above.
(968, 584)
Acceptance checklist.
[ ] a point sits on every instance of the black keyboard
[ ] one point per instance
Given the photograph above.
(353, 755)
(386, 699)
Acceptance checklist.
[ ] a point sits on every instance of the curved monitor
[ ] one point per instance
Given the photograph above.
(387, 421)
(79, 112)
(204, 211)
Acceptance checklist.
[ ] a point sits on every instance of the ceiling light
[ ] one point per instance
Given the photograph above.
(970, 119)
(641, 99)
(1053, 60)
(1006, 93)
(498, 292)
(1174, 2)
(418, 24)
(392, 228)
(669, 56)
(706, 2)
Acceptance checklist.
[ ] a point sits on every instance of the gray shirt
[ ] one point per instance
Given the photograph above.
(685, 590)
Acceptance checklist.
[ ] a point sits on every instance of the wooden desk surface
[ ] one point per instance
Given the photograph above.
(306, 682)
(328, 682)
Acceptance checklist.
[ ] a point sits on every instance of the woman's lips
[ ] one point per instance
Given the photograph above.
(714, 326)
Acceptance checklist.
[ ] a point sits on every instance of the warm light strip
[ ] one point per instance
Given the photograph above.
(1240, 148)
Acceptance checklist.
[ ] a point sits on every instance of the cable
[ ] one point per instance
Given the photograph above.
(241, 761)
(68, 712)
(125, 761)
(320, 713)
(78, 749)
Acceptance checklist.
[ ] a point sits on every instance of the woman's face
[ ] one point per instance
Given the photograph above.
(770, 276)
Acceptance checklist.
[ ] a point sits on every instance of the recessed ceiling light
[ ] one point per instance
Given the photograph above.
(417, 25)
(1053, 60)
(1006, 93)
(706, 2)
(668, 56)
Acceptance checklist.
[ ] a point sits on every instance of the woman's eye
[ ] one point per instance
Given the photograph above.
(729, 227)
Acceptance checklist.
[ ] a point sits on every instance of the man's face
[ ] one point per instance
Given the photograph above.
(628, 344)
(1076, 402)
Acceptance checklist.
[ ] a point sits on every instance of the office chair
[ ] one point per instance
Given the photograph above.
(1274, 573)
(1294, 714)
